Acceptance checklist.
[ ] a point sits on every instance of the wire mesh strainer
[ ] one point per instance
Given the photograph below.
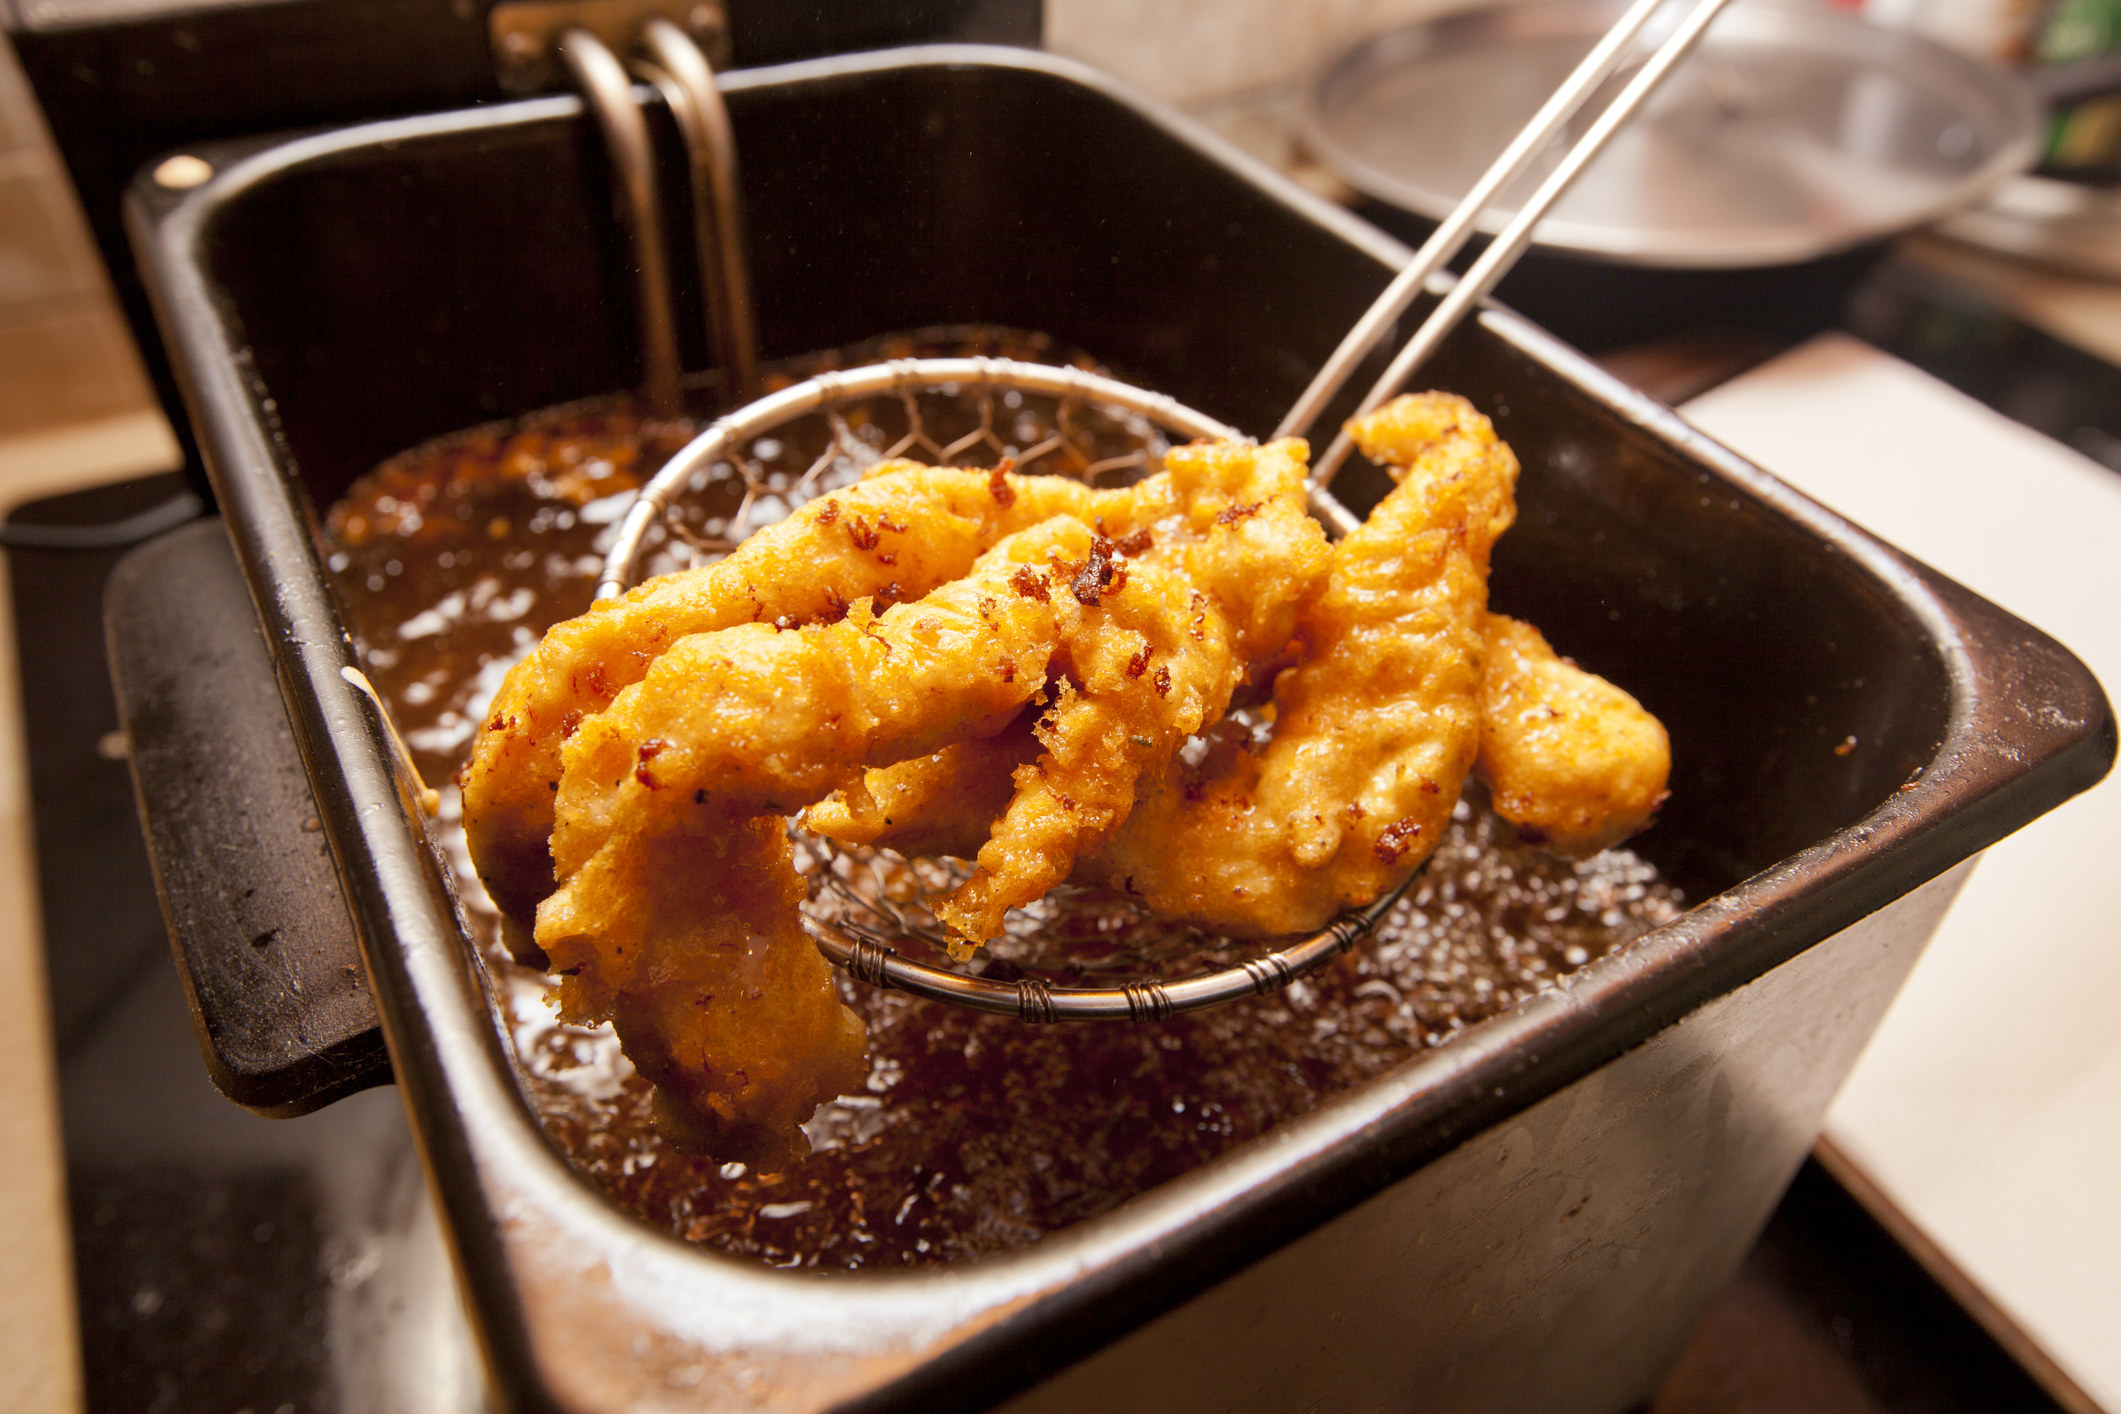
(657, 533)
(1097, 429)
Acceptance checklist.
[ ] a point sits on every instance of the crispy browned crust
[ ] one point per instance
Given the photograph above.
(1230, 523)
(1374, 728)
(946, 802)
(894, 536)
(689, 941)
(1021, 699)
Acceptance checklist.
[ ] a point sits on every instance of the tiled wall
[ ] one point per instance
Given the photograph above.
(66, 355)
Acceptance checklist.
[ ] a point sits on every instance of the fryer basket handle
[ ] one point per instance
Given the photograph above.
(262, 936)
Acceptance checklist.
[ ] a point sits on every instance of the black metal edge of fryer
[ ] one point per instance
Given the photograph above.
(271, 971)
(402, 909)
(1195, 1230)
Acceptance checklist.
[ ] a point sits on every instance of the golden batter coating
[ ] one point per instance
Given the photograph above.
(1376, 725)
(729, 729)
(1231, 519)
(756, 720)
(690, 942)
(895, 536)
(1017, 690)
(676, 913)
(1232, 556)
(1573, 761)
(1140, 676)
(946, 802)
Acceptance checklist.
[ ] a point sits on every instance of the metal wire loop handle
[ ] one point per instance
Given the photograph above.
(1035, 1001)
(1378, 321)
(622, 565)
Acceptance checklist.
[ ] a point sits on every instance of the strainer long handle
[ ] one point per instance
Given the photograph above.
(1503, 251)
(1447, 239)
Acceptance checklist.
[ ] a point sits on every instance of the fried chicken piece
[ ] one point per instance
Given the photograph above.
(1230, 519)
(730, 728)
(895, 536)
(755, 720)
(1143, 673)
(690, 942)
(752, 720)
(1376, 725)
(944, 803)
(1573, 761)
(1233, 556)
(676, 914)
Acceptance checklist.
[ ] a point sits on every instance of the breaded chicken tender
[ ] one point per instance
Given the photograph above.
(1571, 760)
(676, 912)
(895, 535)
(944, 803)
(1232, 558)
(1005, 669)
(1140, 676)
(1375, 727)
(756, 720)
(690, 942)
(1231, 519)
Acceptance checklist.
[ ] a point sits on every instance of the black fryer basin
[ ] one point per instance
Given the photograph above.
(1527, 1218)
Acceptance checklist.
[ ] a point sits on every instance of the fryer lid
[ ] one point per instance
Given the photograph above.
(1761, 626)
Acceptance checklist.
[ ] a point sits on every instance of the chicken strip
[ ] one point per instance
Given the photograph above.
(1375, 727)
(690, 942)
(944, 803)
(1571, 760)
(894, 536)
(1233, 519)
(758, 720)
(1141, 676)
(1229, 519)
(677, 913)
(733, 727)
(1233, 557)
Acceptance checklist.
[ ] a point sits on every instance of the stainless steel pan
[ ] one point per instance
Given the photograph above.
(1791, 134)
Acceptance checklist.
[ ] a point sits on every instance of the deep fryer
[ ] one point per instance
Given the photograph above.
(1527, 1218)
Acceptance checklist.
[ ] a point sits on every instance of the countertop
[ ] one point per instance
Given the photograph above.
(1986, 1115)
(39, 1366)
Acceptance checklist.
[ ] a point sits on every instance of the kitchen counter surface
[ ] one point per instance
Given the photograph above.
(39, 1365)
(1986, 1115)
